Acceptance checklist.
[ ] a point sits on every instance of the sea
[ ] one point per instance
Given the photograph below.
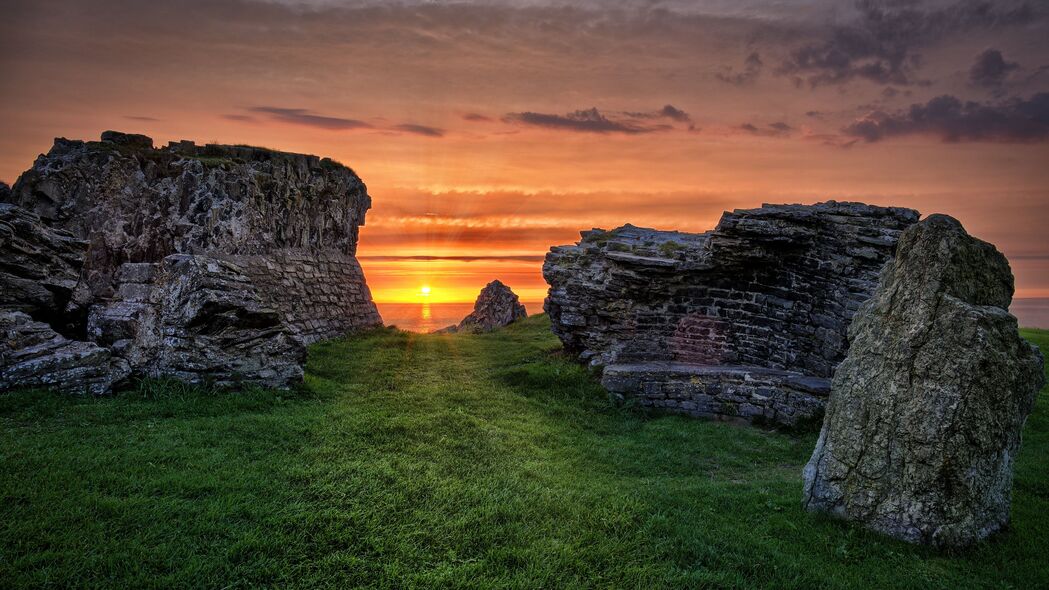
(427, 317)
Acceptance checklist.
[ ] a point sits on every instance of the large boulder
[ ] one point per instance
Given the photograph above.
(496, 306)
(745, 323)
(926, 410)
(34, 355)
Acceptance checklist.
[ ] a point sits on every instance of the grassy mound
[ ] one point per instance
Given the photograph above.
(445, 461)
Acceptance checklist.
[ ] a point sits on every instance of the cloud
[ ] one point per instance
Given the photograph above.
(882, 44)
(241, 118)
(423, 130)
(310, 119)
(140, 118)
(751, 70)
(991, 69)
(477, 118)
(778, 129)
(1013, 121)
(594, 121)
(667, 112)
(585, 121)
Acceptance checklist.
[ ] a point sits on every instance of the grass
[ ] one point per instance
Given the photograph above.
(445, 461)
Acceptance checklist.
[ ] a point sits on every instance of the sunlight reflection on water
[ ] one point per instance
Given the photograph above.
(427, 317)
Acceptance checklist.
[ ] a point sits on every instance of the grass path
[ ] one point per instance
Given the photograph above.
(453, 461)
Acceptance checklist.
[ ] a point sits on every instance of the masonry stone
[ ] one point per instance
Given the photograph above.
(746, 322)
(269, 236)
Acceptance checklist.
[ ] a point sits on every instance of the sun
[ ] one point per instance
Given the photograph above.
(424, 290)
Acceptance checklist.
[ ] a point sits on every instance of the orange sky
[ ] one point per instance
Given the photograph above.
(471, 124)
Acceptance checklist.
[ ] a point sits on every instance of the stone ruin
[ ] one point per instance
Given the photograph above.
(213, 263)
(746, 322)
(496, 306)
(927, 408)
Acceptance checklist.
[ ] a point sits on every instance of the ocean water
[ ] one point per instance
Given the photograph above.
(427, 317)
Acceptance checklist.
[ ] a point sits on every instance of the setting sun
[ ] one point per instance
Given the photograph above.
(424, 290)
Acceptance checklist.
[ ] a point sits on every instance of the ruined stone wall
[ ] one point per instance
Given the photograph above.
(292, 219)
(212, 264)
(772, 288)
(319, 294)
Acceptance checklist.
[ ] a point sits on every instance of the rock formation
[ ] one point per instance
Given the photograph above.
(496, 306)
(210, 263)
(199, 319)
(746, 322)
(39, 265)
(926, 410)
(34, 355)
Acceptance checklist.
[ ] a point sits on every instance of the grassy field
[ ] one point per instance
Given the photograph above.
(455, 461)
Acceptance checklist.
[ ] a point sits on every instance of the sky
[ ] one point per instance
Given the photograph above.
(489, 131)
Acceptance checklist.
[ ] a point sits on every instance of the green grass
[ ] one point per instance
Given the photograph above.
(453, 461)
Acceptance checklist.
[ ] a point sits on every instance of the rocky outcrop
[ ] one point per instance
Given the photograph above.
(34, 355)
(264, 241)
(134, 203)
(926, 410)
(198, 319)
(746, 322)
(39, 266)
(496, 306)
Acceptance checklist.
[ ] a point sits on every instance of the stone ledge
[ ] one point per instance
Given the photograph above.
(723, 392)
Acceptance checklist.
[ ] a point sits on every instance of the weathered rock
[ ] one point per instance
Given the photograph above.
(723, 324)
(39, 266)
(496, 306)
(199, 319)
(134, 203)
(34, 355)
(5, 192)
(214, 263)
(926, 411)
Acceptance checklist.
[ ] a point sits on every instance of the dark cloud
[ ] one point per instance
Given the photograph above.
(750, 72)
(310, 119)
(776, 129)
(420, 129)
(991, 69)
(241, 118)
(476, 118)
(140, 118)
(950, 119)
(676, 114)
(592, 121)
(882, 44)
(667, 112)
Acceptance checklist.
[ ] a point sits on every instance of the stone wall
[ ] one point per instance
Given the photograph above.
(320, 294)
(207, 263)
(771, 288)
(135, 203)
(199, 319)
